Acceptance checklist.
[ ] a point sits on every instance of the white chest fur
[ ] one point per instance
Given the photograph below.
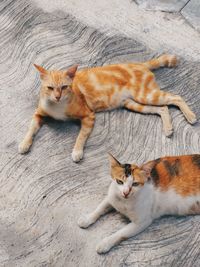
(55, 110)
(136, 207)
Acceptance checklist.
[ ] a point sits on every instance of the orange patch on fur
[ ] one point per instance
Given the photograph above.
(156, 96)
(117, 69)
(179, 173)
(38, 118)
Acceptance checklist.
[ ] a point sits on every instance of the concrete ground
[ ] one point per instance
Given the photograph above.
(43, 193)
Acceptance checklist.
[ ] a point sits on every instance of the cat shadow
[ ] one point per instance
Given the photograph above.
(69, 126)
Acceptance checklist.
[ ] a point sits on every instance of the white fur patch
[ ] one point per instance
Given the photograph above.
(149, 202)
(170, 202)
(55, 110)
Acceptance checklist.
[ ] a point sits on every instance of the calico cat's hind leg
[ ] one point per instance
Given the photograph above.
(162, 111)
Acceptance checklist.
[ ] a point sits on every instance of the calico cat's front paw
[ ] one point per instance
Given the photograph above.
(77, 155)
(104, 246)
(24, 146)
(84, 221)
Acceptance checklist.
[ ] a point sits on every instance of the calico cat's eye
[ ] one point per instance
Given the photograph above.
(135, 184)
(119, 181)
(50, 87)
(64, 87)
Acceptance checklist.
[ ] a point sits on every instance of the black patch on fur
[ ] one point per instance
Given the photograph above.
(154, 176)
(127, 168)
(158, 160)
(173, 169)
(196, 160)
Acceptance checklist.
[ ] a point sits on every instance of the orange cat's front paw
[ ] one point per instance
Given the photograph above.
(24, 146)
(77, 155)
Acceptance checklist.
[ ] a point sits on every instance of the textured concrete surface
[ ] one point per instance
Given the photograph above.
(44, 192)
(163, 5)
(192, 13)
(190, 9)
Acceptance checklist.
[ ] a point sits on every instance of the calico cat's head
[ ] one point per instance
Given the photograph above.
(56, 85)
(129, 178)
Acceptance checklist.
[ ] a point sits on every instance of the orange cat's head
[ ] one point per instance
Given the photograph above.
(56, 84)
(129, 178)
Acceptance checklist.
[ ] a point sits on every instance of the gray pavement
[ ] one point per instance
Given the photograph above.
(43, 193)
(190, 9)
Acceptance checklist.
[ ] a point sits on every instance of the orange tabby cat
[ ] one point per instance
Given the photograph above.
(80, 94)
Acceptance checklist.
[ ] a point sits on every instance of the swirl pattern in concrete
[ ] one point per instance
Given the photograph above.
(44, 192)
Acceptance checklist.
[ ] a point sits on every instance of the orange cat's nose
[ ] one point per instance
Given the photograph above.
(57, 94)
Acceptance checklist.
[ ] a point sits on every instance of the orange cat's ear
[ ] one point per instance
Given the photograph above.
(113, 161)
(41, 70)
(72, 71)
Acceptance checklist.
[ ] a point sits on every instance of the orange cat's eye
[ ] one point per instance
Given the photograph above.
(119, 181)
(135, 184)
(64, 87)
(50, 88)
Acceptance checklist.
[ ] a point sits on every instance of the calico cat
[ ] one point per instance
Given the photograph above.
(166, 186)
(79, 94)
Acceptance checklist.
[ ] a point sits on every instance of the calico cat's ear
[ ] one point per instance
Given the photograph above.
(72, 71)
(41, 70)
(147, 167)
(143, 176)
(113, 161)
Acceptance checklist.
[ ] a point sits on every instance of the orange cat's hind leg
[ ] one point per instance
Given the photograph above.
(165, 98)
(162, 111)
(157, 97)
(162, 61)
(178, 101)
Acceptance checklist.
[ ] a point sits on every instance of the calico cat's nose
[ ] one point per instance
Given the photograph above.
(126, 192)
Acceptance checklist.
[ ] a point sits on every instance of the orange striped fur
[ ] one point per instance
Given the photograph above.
(80, 94)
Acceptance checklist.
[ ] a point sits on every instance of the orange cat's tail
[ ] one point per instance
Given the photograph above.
(162, 61)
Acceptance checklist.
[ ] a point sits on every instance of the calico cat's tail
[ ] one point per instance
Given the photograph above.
(162, 61)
